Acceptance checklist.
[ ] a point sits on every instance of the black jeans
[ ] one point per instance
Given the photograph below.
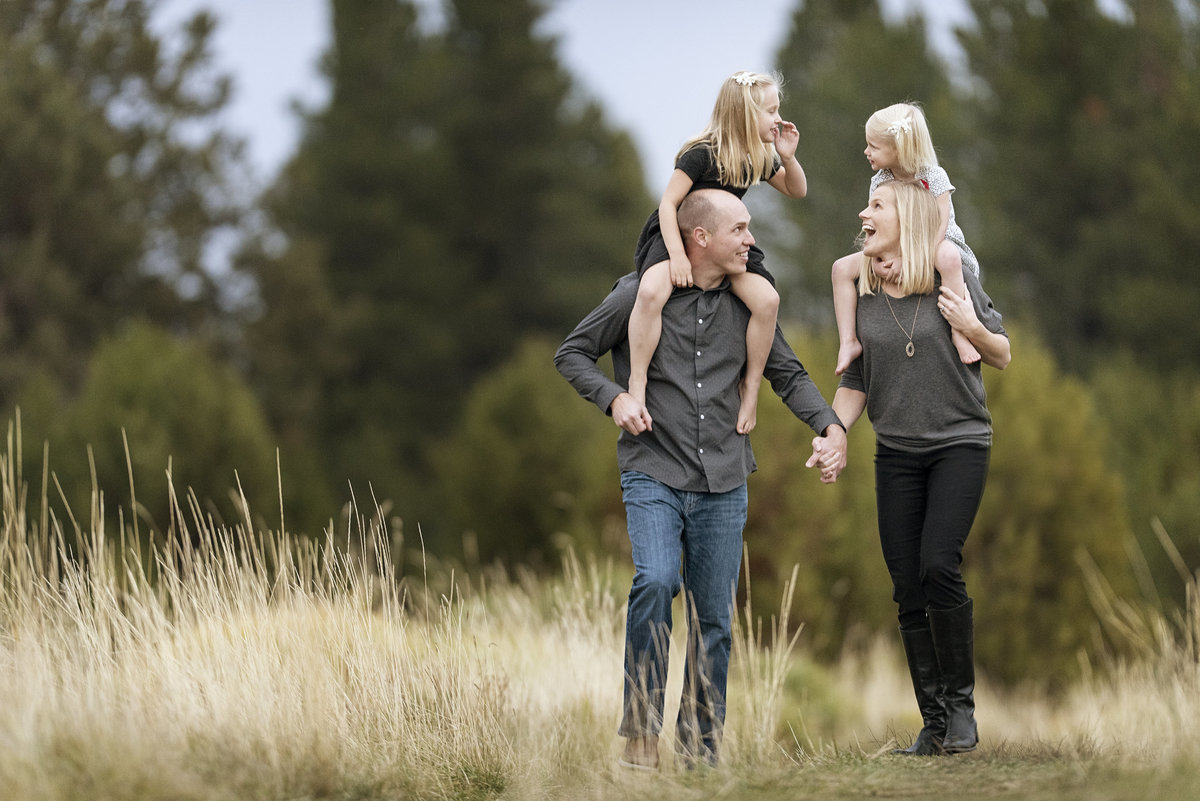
(926, 504)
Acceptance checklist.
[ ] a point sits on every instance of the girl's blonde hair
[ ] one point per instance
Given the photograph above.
(904, 125)
(742, 158)
(920, 223)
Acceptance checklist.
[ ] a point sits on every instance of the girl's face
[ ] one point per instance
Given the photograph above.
(768, 115)
(881, 224)
(881, 153)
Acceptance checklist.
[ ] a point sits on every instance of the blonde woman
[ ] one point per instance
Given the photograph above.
(933, 437)
(746, 142)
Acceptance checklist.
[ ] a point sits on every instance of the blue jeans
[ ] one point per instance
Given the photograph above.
(691, 540)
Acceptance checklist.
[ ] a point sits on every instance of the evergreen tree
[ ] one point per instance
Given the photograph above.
(110, 189)
(454, 196)
(1087, 203)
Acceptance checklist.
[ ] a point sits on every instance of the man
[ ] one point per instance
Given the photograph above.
(683, 472)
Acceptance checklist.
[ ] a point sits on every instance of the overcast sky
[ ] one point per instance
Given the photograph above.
(655, 65)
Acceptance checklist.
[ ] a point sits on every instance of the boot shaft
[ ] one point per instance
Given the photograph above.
(953, 635)
(927, 685)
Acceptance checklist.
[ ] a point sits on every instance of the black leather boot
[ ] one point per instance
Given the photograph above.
(954, 642)
(927, 684)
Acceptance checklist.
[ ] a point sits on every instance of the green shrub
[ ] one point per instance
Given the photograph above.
(1155, 422)
(180, 411)
(531, 467)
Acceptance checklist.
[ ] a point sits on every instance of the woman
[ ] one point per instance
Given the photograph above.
(933, 435)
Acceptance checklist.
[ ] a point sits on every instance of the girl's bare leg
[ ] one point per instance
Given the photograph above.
(949, 265)
(645, 325)
(845, 309)
(763, 302)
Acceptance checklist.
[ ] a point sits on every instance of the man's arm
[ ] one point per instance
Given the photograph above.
(792, 383)
(598, 333)
(795, 386)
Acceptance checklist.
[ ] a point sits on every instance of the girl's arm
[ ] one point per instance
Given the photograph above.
(790, 178)
(943, 203)
(668, 221)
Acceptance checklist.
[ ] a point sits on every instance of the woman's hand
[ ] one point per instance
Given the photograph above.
(959, 312)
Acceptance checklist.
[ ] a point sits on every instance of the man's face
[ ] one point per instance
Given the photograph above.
(730, 241)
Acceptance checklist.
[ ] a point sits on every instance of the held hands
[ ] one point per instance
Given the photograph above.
(829, 452)
(630, 414)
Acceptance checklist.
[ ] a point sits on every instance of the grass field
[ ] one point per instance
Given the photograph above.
(253, 666)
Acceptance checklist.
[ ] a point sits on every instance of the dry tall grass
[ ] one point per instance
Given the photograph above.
(240, 663)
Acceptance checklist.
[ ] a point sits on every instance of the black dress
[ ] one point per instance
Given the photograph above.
(697, 162)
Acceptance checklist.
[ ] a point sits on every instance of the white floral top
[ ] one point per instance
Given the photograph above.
(938, 182)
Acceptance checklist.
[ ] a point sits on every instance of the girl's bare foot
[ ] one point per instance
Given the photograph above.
(748, 411)
(966, 351)
(847, 353)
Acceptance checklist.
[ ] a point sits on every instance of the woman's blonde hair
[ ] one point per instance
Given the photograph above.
(742, 158)
(920, 224)
(904, 125)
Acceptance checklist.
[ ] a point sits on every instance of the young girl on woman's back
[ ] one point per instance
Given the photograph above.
(746, 142)
(899, 147)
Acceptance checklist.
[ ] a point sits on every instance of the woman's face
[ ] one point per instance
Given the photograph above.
(768, 115)
(881, 224)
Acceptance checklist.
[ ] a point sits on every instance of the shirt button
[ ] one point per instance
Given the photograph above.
(697, 353)
(702, 450)
(701, 417)
(698, 384)
(701, 321)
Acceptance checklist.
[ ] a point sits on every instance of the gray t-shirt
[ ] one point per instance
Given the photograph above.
(928, 400)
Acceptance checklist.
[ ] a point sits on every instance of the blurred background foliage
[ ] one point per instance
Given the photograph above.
(383, 321)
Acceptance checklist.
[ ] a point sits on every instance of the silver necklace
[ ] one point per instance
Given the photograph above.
(910, 348)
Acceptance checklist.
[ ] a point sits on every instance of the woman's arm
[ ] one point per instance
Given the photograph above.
(960, 313)
(849, 405)
(831, 451)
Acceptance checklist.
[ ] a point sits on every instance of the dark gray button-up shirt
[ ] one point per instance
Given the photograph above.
(692, 387)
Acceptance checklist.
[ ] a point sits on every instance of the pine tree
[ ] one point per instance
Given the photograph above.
(455, 196)
(1088, 203)
(112, 180)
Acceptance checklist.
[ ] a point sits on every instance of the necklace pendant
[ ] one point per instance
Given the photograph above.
(910, 349)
